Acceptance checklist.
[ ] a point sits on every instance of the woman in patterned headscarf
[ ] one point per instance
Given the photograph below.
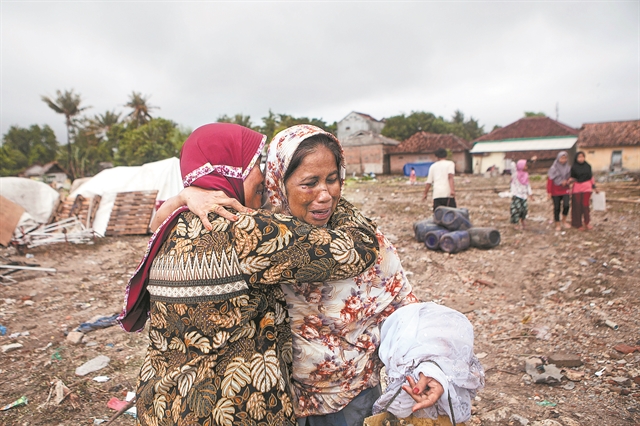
(558, 188)
(220, 349)
(336, 324)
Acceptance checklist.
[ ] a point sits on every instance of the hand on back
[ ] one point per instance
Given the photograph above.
(202, 202)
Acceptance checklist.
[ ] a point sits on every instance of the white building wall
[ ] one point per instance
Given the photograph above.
(481, 162)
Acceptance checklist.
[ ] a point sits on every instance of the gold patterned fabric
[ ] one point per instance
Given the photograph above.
(220, 340)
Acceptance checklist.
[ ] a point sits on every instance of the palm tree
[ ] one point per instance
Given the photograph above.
(140, 113)
(100, 124)
(68, 104)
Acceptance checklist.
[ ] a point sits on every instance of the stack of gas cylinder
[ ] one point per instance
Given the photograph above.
(450, 230)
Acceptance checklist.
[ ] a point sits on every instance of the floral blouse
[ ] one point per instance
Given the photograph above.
(336, 332)
(220, 344)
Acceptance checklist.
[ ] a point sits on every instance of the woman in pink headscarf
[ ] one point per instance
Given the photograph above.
(220, 340)
(520, 191)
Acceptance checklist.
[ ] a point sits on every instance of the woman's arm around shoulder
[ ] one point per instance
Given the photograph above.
(276, 249)
(201, 202)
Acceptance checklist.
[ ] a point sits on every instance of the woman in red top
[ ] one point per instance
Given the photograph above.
(558, 188)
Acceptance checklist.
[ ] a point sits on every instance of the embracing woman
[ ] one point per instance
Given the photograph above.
(220, 339)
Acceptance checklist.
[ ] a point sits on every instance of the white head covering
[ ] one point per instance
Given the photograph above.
(279, 155)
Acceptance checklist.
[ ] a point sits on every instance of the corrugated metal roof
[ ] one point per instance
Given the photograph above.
(537, 144)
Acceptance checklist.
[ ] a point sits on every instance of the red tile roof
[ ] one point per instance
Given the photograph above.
(613, 133)
(529, 127)
(364, 137)
(424, 142)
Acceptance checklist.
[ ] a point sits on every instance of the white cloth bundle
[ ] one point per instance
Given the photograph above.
(413, 340)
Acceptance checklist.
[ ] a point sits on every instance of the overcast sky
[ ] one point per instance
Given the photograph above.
(197, 60)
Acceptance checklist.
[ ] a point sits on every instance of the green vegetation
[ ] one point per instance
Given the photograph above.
(139, 137)
(401, 127)
(274, 123)
(23, 147)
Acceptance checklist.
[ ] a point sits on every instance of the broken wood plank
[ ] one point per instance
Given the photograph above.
(28, 268)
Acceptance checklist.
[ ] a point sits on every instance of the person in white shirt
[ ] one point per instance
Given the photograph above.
(441, 178)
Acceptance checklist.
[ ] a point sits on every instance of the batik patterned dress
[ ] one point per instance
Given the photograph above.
(220, 342)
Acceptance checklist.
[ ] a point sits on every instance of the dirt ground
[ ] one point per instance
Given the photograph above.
(539, 293)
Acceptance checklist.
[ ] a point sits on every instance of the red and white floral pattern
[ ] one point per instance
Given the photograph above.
(335, 324)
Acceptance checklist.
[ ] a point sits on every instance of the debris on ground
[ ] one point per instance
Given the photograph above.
(95, 364)
(17, 403)
(538, 294)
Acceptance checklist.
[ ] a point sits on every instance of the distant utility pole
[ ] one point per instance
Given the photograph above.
(557, 112)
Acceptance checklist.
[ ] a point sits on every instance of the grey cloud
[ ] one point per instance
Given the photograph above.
(200, 60)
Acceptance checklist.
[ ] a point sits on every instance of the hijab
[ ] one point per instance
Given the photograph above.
(220, 156)
(215, 156)
(522, 175)
(581, 172)
(281, 150)
(559, 172)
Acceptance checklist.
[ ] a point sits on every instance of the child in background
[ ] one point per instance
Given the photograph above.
(520, 191)
(412, 177)
(558, 188)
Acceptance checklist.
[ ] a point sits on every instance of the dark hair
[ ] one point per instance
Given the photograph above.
(309, 146)
(441, 153)
(575, 159)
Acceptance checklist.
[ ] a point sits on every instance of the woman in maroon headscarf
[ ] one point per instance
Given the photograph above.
(220, 340)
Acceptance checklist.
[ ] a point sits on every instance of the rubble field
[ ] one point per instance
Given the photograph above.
(556, 314)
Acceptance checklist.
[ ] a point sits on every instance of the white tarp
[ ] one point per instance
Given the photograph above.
(162, 175)
(38, 199)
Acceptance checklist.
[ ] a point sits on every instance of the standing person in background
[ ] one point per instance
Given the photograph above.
(558, 188)
(441, 178)
(412, 176)
(520, 191)
(582, 185)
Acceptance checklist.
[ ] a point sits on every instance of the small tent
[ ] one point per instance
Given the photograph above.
(422, 169)
(163, 176)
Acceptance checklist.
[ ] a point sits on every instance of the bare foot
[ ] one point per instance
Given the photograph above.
(566, 225)
(558, 227)
(589, 227)
(582, 228)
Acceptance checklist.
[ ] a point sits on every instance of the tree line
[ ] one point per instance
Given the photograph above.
(99, 141)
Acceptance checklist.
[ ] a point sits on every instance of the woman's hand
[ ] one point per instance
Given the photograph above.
(426, 392)
(202, 201)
